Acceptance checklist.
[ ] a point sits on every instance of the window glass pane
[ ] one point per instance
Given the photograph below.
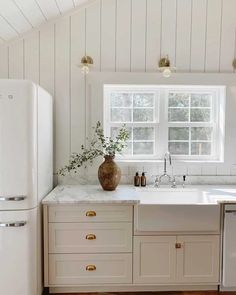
(178, 133)
(178, 100)
(178, 115)
(128, 149)
(143, 115)
(201, 133)
(115, 131)
(201, 148)
(200, 115)
(121, 115)
(143, 133)
(143, 148)
(121, 99)
(200, 100)
(179, 148)
(143, 100)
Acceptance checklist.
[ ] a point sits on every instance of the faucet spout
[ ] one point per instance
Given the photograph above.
(167, 156)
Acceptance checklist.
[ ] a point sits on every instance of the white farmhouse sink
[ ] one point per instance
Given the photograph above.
(176, 209)
(173, 196)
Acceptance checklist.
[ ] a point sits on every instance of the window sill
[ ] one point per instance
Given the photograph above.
(174, 161)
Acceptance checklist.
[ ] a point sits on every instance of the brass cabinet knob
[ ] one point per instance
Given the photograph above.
(91, 213)
(90, 237)
(178, 246)
(90, 267)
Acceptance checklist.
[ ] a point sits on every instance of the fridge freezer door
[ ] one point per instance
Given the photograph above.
(18, 252)
(18, 144)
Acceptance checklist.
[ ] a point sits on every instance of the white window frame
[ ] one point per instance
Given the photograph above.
(161, 123)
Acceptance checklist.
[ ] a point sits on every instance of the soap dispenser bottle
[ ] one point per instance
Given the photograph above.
(143, 179)
(136, 179)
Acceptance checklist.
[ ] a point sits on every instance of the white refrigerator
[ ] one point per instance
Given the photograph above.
(25, 178)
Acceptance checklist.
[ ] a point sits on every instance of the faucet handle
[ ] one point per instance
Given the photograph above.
(156, 181)
(173, 182)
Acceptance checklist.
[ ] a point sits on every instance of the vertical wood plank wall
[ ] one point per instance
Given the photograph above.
(120, 35)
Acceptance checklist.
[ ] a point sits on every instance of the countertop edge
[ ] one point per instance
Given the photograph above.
(108, 202)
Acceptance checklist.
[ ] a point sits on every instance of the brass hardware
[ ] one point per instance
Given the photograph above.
(178, 246)
(91, 213)
(90, 267)
(90, 237)
(234, 64)
(86, 60)
(164, 62)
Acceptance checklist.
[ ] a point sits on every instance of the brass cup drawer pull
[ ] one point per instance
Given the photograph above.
(90, 267)
(178, 246)
(90, 237)
(91, 213)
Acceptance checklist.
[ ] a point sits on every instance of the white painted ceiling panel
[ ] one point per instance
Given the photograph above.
(49, 8)
(31, 11)
(65, 5)
(19, 16)
(10, 12)
(6, 31)
(79, 2)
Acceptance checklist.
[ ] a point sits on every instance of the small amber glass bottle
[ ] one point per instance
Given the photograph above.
(143, 179)
(136, 179)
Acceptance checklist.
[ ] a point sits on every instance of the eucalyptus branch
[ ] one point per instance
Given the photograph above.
(98, 146)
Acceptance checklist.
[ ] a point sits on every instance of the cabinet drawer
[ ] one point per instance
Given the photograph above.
(90, 213)
(83, 269)
(90, 237)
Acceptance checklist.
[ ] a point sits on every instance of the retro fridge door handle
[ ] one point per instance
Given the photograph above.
(13, 198)
(13, 224)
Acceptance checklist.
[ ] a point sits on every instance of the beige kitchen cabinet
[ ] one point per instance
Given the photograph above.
(198, 259)
(96, 247)
(176, 259)
(154, 259)
(88, 244)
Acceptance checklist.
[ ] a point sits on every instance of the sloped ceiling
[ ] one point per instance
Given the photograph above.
(20, 16)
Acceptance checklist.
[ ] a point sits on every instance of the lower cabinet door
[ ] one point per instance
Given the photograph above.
(198, 259)
(84, 269)
(154, 259)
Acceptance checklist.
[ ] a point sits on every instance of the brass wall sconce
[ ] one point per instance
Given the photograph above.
(234, 64)
(165, 67)
(85, 64)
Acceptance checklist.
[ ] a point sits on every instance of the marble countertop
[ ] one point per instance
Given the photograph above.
(70, 194)
(127, 194)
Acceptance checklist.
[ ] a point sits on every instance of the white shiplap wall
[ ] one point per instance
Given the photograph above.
(120, 35)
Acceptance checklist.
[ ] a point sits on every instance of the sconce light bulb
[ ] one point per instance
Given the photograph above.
(166, 73)
(85, 69)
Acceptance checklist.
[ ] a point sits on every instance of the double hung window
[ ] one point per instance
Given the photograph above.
(185, 120)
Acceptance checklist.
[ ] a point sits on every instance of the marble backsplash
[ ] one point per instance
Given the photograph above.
(196, 173)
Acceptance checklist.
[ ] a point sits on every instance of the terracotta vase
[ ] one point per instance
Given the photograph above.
(109, 174)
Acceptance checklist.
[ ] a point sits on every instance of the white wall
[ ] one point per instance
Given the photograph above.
(120, 35)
